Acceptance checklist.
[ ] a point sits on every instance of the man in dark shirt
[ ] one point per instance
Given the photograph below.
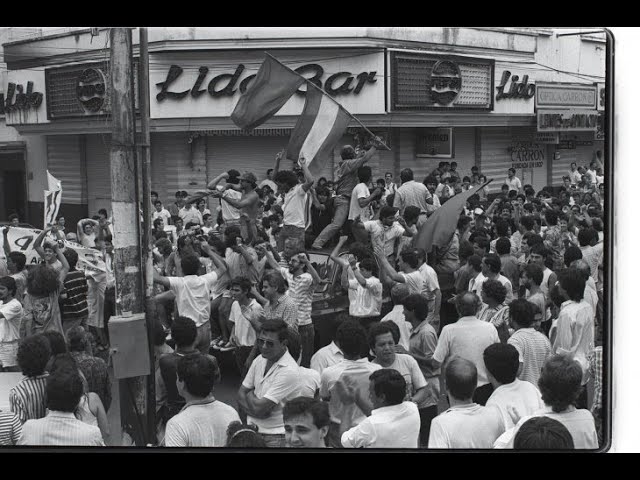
(168, 401)
(74, 299)
(322, 212)
(347, 173)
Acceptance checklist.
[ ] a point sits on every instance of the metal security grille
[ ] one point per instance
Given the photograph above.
(64, 99)
(415, 85)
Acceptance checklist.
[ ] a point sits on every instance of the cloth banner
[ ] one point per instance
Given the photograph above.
(52, 199)
(22, 239)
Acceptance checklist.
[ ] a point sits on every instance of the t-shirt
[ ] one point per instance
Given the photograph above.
(200, 425)
(244, 333)
(42, 313)
(295, 207)
(365, 301)
(75, 305)
(163, 214)
(534, 349)
(516, 400)
(301, 290)
(466, 426)
(414, 281)
(309, 382)
(384, 236)
(360, 191)
(408, 367)
(192, 296)
(513, 183)
(229, 212)
(10, 324)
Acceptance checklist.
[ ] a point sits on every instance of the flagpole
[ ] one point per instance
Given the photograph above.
(309, 82)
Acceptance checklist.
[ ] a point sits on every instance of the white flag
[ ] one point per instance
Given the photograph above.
(53, 182)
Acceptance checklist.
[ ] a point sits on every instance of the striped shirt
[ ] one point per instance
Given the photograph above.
(28, 399)
(75, 305)
(301, 289)
(60, 428)
(10, 428)
(283, 309)
(534, 348)
(596, 370)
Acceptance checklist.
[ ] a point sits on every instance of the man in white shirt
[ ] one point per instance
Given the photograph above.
(430, 288)
(389, 185)
(269, 181)
(190, 214)
(295, 203)
(246, 315)
(161, 212)
(465, 424)
(271, 381)
(330, 354)
(393, 423)
(230, 214)
(361, 198)
(385, 230)
(491, 266)
(409, 266)
(468, 338)
(192, 292)
(399, 292)
(353, 370)
(514, 398)
(11, 313)
(306, 422)
(411, 193)
(203, 421)
(512, 181)
(574, 174)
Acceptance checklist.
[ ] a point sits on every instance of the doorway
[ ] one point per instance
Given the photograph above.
(13, 185)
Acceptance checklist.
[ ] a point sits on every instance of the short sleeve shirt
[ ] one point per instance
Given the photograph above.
(295, 207)
(192, 295)
(384, 236)
(360, 191)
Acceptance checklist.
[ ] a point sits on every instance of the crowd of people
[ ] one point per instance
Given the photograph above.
(493, 340)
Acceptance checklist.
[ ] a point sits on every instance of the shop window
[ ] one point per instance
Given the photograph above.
(435, 143)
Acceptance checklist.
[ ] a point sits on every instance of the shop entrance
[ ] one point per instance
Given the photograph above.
(13, 188)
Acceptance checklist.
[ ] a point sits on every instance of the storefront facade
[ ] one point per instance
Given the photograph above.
(445, 102)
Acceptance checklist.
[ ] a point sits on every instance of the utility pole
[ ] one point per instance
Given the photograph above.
(126, 218)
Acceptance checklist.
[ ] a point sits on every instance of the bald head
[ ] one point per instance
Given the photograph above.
(467, 304)
(583, 267)
(399, 292)
(461, 378)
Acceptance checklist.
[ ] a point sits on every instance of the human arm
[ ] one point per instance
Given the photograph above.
(407, 231)
(307, 174)
(355, 274)
(364, 201)
(5, 243)
(335, 253)
(259, 298)
(80, 229)
(218, 261)
(37, 244)
(97, 408)
(213, 183)
(304, 258)
(247, 201)
(272, 261)
(492, 207)
(63, 261)
(316, 202)
(276, 165)
(386, 266)
(362, 435)
(254, 406)
(164, 281)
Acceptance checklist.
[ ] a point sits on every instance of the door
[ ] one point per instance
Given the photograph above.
(13, 189)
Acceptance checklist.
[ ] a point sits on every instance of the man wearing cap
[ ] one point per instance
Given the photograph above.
(347, 173)
(230, 214)
(247, 204)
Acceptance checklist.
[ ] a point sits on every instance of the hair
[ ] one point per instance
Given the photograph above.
(77, 339)
(164, 246)
(380, 328)
(560, 382)
(276, 280)
(493, 262)
(585, 235)
(543, 433)
(532, 239)
(461, 377)
(399, 292)
(572, 282)
(12, 216)
(278, 326)
(190, 264)
(352, 338)
(184, 331)
(57, 342)
(495, 290)
(390, 383)
(243, 282)
(289, 178)
(534, 272)
(42, 280)
(583, 267)
(364, 174)
(476, 262)
(318, 410)
(463, 221)
(522, 312)
(410, 257)
(502, 361)
(467, 304)
(482, 243)
(503, 246)
(406, 175)
(371, 265)
(387, 211)
(411, 213)
(323, 191)
(527, 222)
(19, 259)
(64, 390)
(34, 352)
(347, 152)
(103, 211)
(240, 435)
(158, 221)
(430, 179)
(418, 304)
(551, 218)
(198, 372)
(10, 284)
(72, 257)
(62, 362)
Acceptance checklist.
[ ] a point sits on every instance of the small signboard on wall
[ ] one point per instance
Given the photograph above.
(435, 142)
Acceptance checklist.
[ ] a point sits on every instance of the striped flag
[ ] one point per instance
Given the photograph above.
(270, 90)
(320, 126)
(441, 225)
(52, 199)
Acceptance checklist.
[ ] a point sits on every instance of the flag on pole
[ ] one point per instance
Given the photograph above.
(52, 199)
(271, 89)
(441, 225)
(320, 126)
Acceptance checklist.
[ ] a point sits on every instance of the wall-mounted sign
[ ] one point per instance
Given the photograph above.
(599, 133)
(567, 120)
(425, 81)
(547, 137)
(601, 97)
(435, 142)
(202, 84)
(92, 89)
(559, 95)
(23, 101)
(512, 87)
(527, 155)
